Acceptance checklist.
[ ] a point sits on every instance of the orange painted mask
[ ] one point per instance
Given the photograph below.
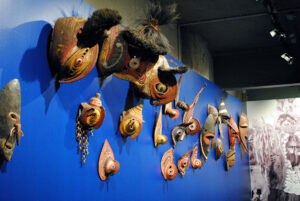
(207, 135)
(243, 127)
(168, 168)
(183, 163)
(68, 61)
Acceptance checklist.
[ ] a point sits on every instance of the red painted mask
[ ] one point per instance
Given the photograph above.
(168, 168)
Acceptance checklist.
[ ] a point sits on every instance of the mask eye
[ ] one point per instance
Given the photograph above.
(78, 62)
(161, 88)
(134, 63)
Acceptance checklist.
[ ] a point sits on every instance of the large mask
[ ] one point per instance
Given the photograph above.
(135, 53)
(196, 163)
(207, 135)
(243, 127)
(131, 122)
(183, 163)
(10, 111)
(107, 165)
(168, 168)
(90, 116)
(69, 61)
(159, 138)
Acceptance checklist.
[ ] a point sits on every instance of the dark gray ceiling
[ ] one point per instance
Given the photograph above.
(233, 28)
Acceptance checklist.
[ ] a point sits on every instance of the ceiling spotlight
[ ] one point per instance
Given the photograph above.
(276, 32)
(289, 59)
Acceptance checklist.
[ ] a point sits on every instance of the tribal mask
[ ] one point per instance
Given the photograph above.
(243, 127)
(159, 138)
(233, 133)
(90, 115)
(69, 61)
(196, 163)
(132, 122)
(183, 163)
(219, 151)
(168, 168)
(207, 135)
(107, 165)
(10, 111)
(178, 133)
(230, 158)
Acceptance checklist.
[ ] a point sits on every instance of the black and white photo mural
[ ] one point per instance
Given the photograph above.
(274, 149)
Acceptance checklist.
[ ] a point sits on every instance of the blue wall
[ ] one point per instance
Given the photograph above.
(47, 165)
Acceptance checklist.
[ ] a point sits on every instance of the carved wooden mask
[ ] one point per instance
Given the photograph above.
(69, 61)
(207, 135)
(90, 116)
(219, 151)
(107, 165)
(196, 163)
(183, 163)
(10, 126)
(131, 122)
(168, 168)
(243, 127)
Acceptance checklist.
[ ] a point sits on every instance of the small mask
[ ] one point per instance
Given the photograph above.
(69, 61)
(159, 138)
(230, 158)
(173, 113)
(10, 126)
(207, 136)
(107, 165)
(178, 133)
(196, 163)
(90, 116)
(223, 116)
(243, 127)
(168, 168)
(219, 151)
(183, 163)
(233, 133)
(132, 122)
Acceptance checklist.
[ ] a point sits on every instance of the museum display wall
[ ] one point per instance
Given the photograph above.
(47, 164)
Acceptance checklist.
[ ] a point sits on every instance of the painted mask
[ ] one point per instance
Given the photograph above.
(159, 138)
(223, 116)
(173, 113)
(196, 163)
(168, 168)
(243, 127)
(233, 133)
(107, 165)
(178, 133)
(10, 111)
(219, 151)
(230, 158)
(207, 136)
(132, 122)
(69, 61)
(183, 163)
(90, 116)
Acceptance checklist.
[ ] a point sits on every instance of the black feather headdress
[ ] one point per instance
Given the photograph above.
(145, 33)
(93, 29)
